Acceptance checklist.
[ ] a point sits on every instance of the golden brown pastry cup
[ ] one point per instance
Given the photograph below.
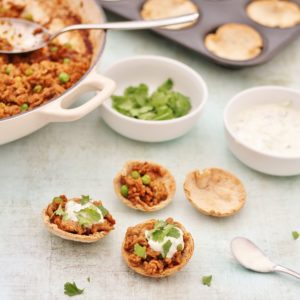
(168, 180)
(212, 202)
(54, 229)
(187, 254)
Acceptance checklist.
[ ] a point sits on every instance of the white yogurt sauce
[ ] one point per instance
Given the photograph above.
(73, 207)
(272, 128)
(158, 246)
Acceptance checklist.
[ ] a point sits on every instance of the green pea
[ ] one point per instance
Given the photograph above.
(135, 174)
(24, 107)
(8, 70)
(146, 179)
(64, 77)
(28, 72)
(38, 88)
(66, 60)
(53, 49)
(68, 45)
(28, 17)
(124, 190)
(180, 247)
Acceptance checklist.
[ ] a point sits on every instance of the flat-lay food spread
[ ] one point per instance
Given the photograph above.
(79, 219)
(149, 99)
(145, 186)
(30, 80)
(157, 248)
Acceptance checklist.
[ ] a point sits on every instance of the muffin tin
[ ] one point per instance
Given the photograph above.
(214, 13)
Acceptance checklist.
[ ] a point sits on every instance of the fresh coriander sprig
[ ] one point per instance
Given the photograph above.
(296, 235)
(206, 280)
(71, 289)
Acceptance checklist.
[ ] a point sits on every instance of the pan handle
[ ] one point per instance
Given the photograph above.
(58, 111)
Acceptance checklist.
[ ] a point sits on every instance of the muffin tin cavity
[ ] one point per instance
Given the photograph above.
(262, 24)
(157, 9)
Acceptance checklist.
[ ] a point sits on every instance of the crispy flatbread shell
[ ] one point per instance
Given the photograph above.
(168, 180)
(158, 9)
(188, 252)
(215, 192)
(274, 13)
(235, 42)
(53, 228)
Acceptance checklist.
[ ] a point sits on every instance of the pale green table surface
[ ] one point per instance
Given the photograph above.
(82, 158)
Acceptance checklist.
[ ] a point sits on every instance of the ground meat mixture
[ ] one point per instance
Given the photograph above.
(149, 194)
(74, 227)
(153, 263)
(29, 80)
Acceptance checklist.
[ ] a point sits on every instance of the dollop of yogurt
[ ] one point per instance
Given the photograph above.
(158, 245)
(73, 207)
(273, 128)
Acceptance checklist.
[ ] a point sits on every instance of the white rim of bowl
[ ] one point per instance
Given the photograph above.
(235, 99)
(169, 61)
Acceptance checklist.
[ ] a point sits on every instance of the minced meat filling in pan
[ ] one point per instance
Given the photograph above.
(29, 80)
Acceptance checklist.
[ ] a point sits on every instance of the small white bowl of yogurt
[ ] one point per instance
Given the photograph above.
(262, 127)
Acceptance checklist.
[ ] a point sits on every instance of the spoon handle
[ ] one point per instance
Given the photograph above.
(282, 269)
(131, 25)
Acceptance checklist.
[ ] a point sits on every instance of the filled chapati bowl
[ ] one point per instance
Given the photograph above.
(38, 87)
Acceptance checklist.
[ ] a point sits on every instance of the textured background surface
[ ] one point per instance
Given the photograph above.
(82, 158)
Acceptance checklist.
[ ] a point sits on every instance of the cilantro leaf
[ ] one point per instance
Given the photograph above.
(295, 235)
(174, 232)
(60, 211)
(166, 247)
(162, 104)
(84, 199)
(163, 229)
(206, 280)
(140, 250)
(88, 216)
(103, 210)
(166, 86)
(158, 235)
(159, 224)
(71, 289)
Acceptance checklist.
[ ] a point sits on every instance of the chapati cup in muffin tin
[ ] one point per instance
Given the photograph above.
(213, 15)
(153, 71)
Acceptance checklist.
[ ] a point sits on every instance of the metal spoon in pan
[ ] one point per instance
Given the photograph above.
(21, 36)
(252, 258)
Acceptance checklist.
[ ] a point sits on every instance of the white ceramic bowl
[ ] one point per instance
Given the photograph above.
(258, 160)
(153, 71)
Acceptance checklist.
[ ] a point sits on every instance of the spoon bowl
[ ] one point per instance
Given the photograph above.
(252, 258)
(21, 36)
